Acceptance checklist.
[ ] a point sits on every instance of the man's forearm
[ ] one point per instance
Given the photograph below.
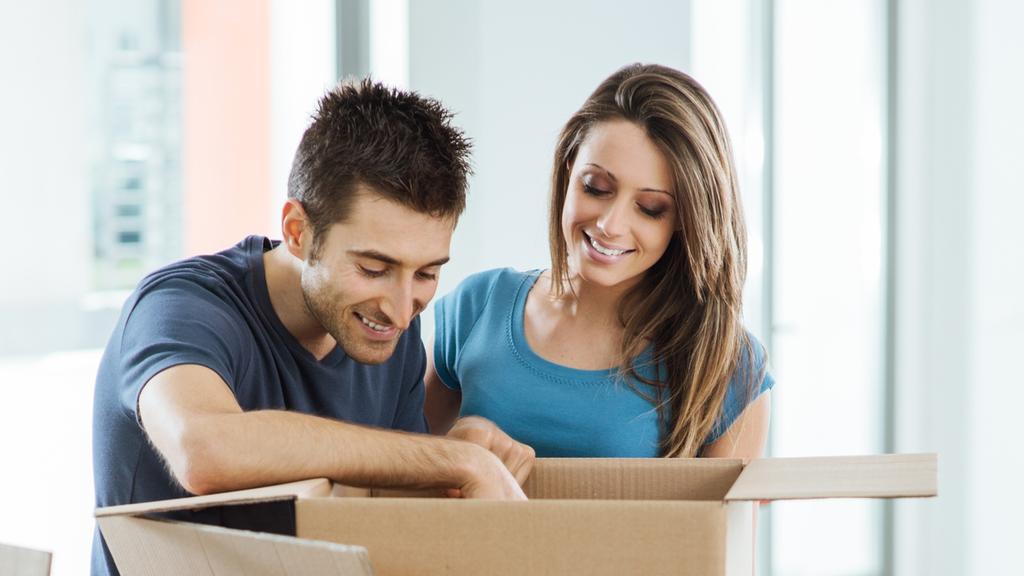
(243, 450)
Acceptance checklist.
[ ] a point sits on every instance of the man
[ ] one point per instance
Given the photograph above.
(273, 362)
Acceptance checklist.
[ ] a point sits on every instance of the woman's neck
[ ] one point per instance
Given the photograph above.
(591, 304)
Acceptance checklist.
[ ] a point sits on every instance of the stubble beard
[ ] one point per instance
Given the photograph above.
(347, 337)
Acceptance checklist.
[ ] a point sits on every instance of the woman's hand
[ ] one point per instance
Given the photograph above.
(516, 456)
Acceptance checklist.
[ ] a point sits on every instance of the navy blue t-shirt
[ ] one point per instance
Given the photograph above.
(215, 311)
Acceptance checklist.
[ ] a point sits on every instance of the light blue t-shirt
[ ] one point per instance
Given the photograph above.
(480, 348)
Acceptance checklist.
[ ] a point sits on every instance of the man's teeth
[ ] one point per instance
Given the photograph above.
(606, 251)
(373, 325)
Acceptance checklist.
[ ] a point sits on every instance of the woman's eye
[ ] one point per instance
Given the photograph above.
(656, 212)
(371, 273)
(593, 191)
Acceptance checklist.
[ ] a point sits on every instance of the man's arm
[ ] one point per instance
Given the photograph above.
(211, 445)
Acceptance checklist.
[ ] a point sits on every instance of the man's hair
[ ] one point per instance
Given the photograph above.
(397, 144)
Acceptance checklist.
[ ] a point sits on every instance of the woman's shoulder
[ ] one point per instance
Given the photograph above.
(753, 355)
(481, 290)
(489, 281)
(752, 376)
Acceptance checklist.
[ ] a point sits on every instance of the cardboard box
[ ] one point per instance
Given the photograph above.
(16, 561)
(585, 516)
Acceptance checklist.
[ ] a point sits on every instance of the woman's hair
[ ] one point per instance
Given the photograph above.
(688, 304)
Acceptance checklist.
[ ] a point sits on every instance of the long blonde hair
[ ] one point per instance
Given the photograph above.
(688, 305)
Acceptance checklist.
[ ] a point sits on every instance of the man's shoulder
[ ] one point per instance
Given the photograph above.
(223, 267)
(223, 276)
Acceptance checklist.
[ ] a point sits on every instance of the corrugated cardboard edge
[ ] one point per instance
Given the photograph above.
(144, 547)
(878, 476)
(16, 561)
(632, 478)
(313, 488)
(605, 479)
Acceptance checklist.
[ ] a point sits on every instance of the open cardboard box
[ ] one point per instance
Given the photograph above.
(585, 516)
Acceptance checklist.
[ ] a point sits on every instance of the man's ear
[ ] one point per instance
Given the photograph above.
(296, 229)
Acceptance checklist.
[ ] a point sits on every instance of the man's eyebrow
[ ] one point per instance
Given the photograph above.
(614, 179)
(381, 257)
(438, 262)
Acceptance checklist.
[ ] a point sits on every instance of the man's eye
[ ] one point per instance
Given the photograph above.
(426, 276)
(371, 273)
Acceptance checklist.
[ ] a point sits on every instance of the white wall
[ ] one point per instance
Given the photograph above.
(302, 68)
(46, 116)
(46, 494)
(960, 321)
(44, 177)
(996, 373)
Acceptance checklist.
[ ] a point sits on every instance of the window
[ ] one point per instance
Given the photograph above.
(802, 86)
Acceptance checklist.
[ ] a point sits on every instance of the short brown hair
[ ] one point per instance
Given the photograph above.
(397, 143)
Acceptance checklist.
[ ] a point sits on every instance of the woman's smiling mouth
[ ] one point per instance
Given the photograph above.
(603, 249)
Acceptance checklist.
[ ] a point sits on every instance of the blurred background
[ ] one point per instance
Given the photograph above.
(877, 143)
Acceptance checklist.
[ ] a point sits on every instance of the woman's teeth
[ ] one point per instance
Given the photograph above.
(603, 250)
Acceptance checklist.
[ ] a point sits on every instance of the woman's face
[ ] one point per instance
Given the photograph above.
(620, 211)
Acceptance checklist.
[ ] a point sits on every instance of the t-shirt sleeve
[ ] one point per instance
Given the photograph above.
(409, 416)
(455, 315)
(751, 379)
(176, 322)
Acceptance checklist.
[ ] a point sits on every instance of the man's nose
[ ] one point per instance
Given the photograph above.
(399, 305)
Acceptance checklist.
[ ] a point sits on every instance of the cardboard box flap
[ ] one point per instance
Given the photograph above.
(632, 478)
(144, 547)
(15, 561)
(420, 536)
(880, 476)
(304, 488)
(605, 479)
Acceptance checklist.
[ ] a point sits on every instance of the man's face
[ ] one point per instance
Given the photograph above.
(375, 272)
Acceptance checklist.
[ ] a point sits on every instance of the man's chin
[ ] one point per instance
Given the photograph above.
(376, 353)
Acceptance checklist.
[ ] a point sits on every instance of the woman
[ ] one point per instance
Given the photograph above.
(632, 344)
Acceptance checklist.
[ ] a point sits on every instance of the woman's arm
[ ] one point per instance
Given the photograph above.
(747, 435)
(441, 405)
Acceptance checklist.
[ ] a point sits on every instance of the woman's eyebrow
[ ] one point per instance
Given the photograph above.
(614, 179)
(603, 169)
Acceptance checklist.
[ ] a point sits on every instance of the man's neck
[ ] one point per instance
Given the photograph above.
(284, 284)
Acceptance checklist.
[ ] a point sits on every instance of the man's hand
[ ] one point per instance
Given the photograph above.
(517, 457)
